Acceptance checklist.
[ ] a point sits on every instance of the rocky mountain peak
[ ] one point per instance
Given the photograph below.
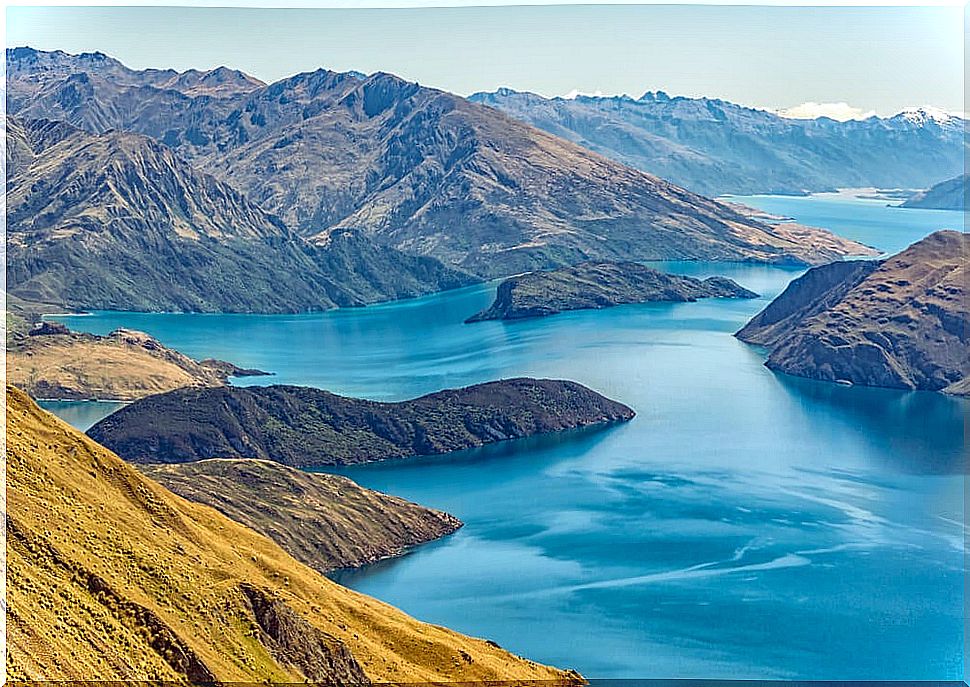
(925, 116)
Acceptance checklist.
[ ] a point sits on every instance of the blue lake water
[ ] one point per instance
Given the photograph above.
(875, 222)
(744, 525)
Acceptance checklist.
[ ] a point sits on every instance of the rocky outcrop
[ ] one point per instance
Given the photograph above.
(112, 578)
(903, 322)
(48, 328)
(326, 521)
(415, 168)
(951, 194)
(716, 147)
(118, 221)
(53, 362)
(294, 642)
(599, 285)
(304, 427)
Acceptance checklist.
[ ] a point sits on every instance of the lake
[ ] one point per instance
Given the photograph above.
(744, 525)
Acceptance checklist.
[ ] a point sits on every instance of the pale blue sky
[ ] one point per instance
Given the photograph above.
(880, 59)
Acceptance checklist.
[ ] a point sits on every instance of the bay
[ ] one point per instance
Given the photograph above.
(744, 525)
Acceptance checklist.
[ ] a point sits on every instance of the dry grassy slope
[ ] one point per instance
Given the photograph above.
(97, 554)
(125, 365)
(325, 521)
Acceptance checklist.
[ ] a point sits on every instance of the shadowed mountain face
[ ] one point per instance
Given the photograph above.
(902, 323)
(712, 146)
(415, 168)
(951, 194)
(119, 221)
(304, 427)
(111, 577)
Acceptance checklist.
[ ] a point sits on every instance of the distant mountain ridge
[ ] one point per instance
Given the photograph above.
(717, 147)
(34, 70)
(414, 168)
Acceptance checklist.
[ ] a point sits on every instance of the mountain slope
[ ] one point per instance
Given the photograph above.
(714, 147)
(950, 194)
(119, 221)
(112, 577)
(902, 323)
(423, 171)
(306, 427)
(430, 173)
(325, 521)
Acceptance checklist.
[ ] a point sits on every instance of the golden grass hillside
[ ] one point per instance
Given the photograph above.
(123, 366)
(111, 577)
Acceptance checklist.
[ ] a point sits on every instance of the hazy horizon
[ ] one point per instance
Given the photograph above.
(850, 62)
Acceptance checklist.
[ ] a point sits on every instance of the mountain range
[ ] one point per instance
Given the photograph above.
(285, 168)
(717, 147)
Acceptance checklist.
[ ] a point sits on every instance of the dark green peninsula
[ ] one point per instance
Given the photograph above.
(305, 427)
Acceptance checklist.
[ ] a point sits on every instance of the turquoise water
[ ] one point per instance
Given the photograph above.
(878, 223)
(83, 414)
(745, 524)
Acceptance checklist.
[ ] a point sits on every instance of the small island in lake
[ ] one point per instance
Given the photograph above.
(305, 427)
(592, 285)
(325, 521)
(903, 322)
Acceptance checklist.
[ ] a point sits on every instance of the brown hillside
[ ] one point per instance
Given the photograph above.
(325, 521)
(902, 323)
